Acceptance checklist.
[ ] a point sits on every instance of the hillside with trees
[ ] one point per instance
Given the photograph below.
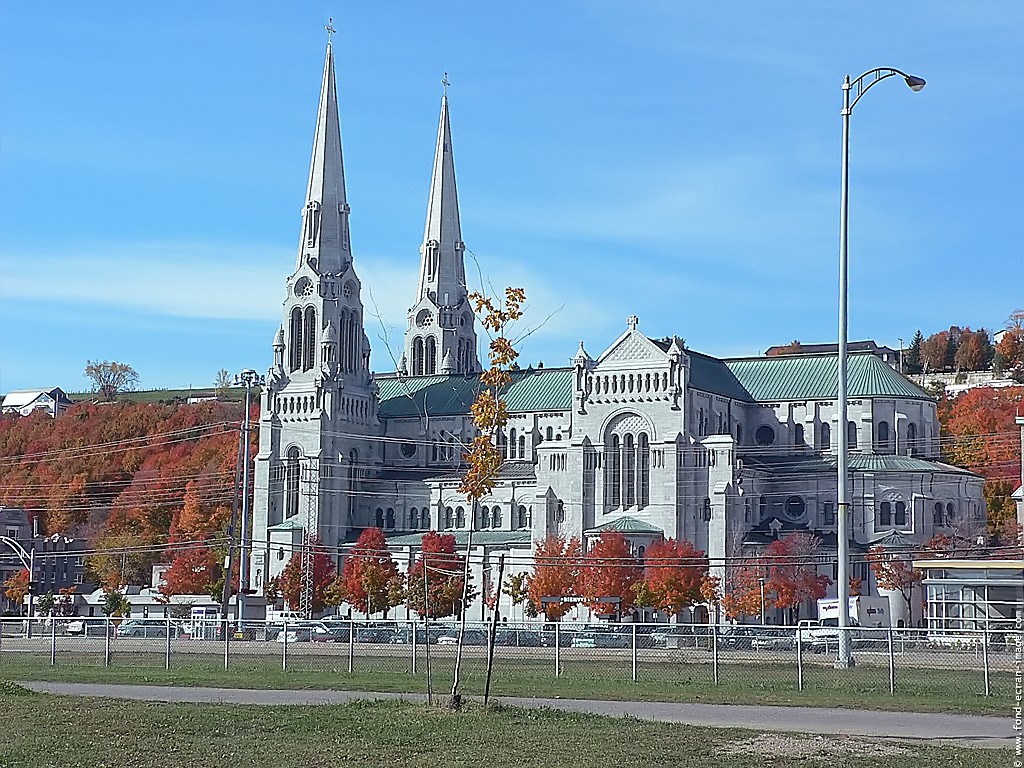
(131, 479)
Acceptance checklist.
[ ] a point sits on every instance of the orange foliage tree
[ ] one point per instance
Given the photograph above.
(793, 577)
(369, 579)
(16, 588)
(893, 571)
(609, 570)
(556, 573)
(444, 572)
(290, 581)
(673, 574)
(743, 589)
(192, 572)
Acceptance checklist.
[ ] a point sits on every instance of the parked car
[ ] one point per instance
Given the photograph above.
(147, 628)
(520, 638)
(302, 632)
(470, 637)
(771, 639)
(336, 633)
(678, 636)
(601, 637)
(375, 635)
(737, 638)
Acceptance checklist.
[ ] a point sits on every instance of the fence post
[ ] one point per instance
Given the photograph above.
(799, 661)
(984, 656)
(412, 632)
(53, 642)
(351, 648)
(284, 647)
(227, 644)
(106, 641)
(634, 652)
(167, 646)
(714, 650)
(558, 650)
(892, 663)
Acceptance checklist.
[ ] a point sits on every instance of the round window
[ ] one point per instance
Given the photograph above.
(795, 507)
(765, 435)
(408, 450)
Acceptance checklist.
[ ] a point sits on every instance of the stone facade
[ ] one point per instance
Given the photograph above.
(650, 437)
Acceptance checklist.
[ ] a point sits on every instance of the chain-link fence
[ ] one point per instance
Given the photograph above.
(537, 659)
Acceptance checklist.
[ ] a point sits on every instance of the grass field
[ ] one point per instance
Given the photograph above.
(924, 690)
(43, 731)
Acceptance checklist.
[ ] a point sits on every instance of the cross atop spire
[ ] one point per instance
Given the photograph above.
(330, 29)
(445, 83)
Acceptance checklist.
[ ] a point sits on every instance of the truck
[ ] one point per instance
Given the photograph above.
(822, 634)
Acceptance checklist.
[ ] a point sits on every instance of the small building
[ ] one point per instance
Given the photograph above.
(972, 594)
(25, 401)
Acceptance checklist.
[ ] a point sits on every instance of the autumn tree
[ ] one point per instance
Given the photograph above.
(1009, 353)
(975, 351)
(556, 573)
(609, 570)
(673, 573)
(517, 588)
(16, 588)
(192, 572)
(290, 580)
(109, 378)
(936, 350)
(742, 595)
(893, 571)
(444, 571)
(793, 577)
(223, 382)
(369, 579)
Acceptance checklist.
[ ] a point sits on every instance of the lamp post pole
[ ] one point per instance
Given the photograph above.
(859, 87)
(249, 379)
(760, 582)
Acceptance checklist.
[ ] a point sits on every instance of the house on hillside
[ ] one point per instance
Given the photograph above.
(24, 401)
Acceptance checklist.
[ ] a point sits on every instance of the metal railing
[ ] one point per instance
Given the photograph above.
(537, 656)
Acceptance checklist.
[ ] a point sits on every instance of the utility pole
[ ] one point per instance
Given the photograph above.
(249, 379)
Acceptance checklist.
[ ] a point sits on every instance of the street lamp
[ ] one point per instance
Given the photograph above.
(860, 86)
(248, 379)
(760, 582)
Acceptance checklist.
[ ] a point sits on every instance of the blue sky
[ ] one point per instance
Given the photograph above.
(679, 161)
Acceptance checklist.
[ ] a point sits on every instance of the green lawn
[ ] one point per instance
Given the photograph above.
(924, 690)
(43, 731)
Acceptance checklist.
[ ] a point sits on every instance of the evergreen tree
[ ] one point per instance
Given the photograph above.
(912, 356)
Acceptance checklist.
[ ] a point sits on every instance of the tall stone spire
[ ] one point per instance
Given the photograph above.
(325, 227)
(441, 322)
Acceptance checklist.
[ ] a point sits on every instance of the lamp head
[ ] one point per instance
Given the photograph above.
(915, 83)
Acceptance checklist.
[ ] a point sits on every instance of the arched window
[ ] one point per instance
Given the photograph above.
(378, 518)
(645, 472)
(705, 512)
(901, 513)
(430, 355)
(447, 517)
(417, 356)
(912, 438)
(389, 521)
(485, 517)
(851, 436)
(798, 435)
(291, 483)
(460, 517)
(295, 340)
(762, 507)
(883, 435)
(496, 516)
(309, 339)
(950, 513)
(885, 515)
(524, 518)
(549, 434)
(825, 436)
(612, 469)
(522, 446)
(511, 443)
(739, 433)
(629, 470)
(414, 519)
(700, 423)
(937, 517)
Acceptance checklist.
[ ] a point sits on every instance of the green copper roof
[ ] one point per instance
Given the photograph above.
(544, 389)
(809, 463)
(624, 525)
(815, 377)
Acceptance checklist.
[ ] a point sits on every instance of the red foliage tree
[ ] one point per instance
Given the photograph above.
(893, 571)
(290, 580)
(793, 577)
(674, 571)
(191, 573)
(556, 573)
(16, 588)
(609, 570)
(443, 570)
(369, 578)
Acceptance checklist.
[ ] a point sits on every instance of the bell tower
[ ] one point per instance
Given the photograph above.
(320, 397)
(441, 336)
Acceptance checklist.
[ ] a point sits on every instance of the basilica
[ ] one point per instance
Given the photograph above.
(644, 436)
